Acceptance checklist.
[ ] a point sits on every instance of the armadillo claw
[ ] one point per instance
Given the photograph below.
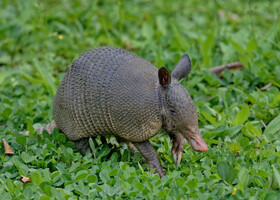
(175, 157)
(174, 151)
(159, 170)
(180, 153)
(177, 148)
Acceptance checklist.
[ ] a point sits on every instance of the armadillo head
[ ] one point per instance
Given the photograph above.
(179, 111)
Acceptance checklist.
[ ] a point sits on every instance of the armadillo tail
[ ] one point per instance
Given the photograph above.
(49, 128)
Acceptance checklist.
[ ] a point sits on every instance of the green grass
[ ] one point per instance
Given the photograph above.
(40, 39)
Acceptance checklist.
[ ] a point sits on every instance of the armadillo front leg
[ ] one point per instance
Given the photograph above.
(150, 155)
(178, 147)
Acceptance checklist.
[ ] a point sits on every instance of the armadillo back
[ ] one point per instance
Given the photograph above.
(108, 91)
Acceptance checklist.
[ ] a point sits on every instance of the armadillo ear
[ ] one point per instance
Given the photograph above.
(164, 77)
(183, 68)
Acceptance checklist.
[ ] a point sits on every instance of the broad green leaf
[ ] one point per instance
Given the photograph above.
(244, 141)
(126, 186)
(237, 46)
(47, 189)
(110, 191)
(252, 46)
(55, 174)
(7, 112)
(231, 131)
(91, 178)
(36, 178)
(81, 175)
(226, 172)
(139, 186)
(104, 176)
(273, 126)
(10, 186)
(253, 129)
(113, 172)
(23, 170)
(45, 197)
(28, 193)
(27, 158)
(92, 146)
(231, 175)
(21, 140)
(166, 145)
(276, 174)
(192, 184)
(242, 115)
(271, 195)
(244, 177)
(168, 158)
(29, 123)
(209, 118)
(223, 131)
(66, 177)
(223, 169)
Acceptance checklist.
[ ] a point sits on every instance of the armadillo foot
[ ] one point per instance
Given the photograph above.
(82, 145)
(131, 147)
(150, 155)
(177, 148)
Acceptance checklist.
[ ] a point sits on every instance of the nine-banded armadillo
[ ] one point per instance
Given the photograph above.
(111, 91)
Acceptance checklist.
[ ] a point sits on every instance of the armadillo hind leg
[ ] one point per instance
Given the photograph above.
(150, 155)
(82, 145)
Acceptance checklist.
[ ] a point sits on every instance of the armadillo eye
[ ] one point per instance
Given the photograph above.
(172, 111)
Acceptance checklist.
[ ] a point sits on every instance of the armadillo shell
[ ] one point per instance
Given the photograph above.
(108, 91)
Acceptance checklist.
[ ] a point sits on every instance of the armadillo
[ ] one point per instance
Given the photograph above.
(110, 91)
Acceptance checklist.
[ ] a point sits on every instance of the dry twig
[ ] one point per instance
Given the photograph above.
(264, 88)
(231, 66)
(263, 124)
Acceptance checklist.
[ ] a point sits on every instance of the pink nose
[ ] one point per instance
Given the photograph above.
(198, 144)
